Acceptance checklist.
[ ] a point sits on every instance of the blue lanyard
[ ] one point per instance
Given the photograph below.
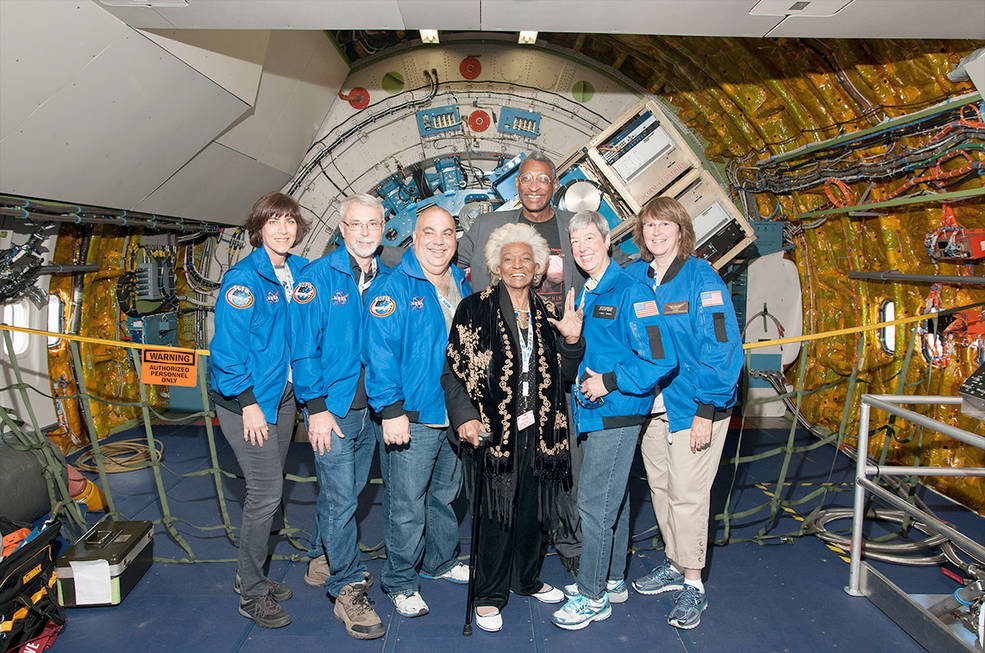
(526, 348)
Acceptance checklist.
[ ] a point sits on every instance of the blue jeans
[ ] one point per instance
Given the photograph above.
(603, 508)
(420, 529)
(342, 473)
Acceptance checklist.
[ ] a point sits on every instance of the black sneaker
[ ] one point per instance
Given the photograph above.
(278, 591)
(264, 611)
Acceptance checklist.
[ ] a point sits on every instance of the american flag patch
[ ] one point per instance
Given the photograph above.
(645, 309)
(712, 298)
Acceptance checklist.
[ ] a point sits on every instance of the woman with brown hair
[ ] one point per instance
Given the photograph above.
(682, 444)
(251, 388)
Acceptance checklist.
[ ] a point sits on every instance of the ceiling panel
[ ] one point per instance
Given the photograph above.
(266, 14)
(233, 59)
(34, 34)
(672, 17)
(127, 120)
(441, 14)
(861, 18)
(918, 19)
(218, 184)
(302, 74)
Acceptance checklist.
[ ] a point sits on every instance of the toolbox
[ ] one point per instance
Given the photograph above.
(104, 564)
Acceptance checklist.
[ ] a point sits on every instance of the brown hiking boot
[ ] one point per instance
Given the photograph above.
(317, 572)
(352, 608)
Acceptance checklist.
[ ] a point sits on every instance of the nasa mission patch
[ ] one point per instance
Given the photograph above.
(382, 306)
(304, 292)
(239, 297)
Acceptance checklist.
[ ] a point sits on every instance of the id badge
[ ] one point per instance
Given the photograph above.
(525, 420)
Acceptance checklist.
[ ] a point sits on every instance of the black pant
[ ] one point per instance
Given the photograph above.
(509, 558)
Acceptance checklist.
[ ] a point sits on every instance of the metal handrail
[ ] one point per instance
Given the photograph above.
(863, 468)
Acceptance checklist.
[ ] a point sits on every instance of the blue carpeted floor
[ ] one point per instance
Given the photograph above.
(783, 595)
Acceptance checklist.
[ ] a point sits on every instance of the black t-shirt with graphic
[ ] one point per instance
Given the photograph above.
(552, 286)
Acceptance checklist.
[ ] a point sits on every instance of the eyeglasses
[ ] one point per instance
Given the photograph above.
(364, 226)
(529, 178)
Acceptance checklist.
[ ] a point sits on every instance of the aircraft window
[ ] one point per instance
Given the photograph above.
(15, 314)
(887, 335)
(54, 318)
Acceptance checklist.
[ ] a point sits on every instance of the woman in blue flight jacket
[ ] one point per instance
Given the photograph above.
(250, 364)
(682, 444)
(627, 352)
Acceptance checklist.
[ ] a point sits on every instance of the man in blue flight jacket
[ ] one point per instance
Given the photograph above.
(405, 336)
(329, 379)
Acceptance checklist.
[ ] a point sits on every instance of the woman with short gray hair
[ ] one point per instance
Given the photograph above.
(510, 358)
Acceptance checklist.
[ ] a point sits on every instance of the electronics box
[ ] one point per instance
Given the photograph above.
(105, 564)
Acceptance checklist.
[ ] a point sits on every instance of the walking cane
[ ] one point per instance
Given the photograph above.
(473, 549)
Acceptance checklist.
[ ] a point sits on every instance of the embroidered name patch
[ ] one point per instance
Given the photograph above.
(675, 308)
(382, 306)
(304, 292)
(272, 297)
(340, 298)
(646, 309)
(239, 297)
(417, 303)
(712, 298)
(605, 312)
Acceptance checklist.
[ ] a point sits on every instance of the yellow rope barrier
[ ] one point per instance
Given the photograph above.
(101, 341)
(748, 345)
(839, 332)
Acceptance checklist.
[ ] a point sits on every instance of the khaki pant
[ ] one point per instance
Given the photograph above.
(680, 487)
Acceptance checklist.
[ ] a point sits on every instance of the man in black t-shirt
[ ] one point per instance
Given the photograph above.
(536, 183)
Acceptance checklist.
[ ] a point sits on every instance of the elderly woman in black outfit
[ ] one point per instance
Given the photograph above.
(511, 358)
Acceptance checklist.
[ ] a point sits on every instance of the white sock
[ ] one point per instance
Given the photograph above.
(697, 583)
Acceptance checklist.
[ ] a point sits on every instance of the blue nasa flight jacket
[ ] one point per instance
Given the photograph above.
(250, 351)
(626, 341)
(404, 342)
(699, 315)
(327, 314)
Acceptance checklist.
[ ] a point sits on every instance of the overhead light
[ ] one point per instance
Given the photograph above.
(429, 36)
(527, 38)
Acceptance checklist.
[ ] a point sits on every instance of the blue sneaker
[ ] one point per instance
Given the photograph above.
(615, 589)
(579, 611)
(689, 603)
(662, 579)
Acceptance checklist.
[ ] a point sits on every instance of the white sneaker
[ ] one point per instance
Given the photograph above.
(491, 623)
(549, 595)
(458, 573)
(410, 604)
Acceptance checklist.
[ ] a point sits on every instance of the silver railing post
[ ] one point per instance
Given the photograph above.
(861, 457)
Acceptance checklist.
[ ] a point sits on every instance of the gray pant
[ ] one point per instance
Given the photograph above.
(567, 539)
(263, 468)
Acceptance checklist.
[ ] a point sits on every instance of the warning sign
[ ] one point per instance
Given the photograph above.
(168, 367)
